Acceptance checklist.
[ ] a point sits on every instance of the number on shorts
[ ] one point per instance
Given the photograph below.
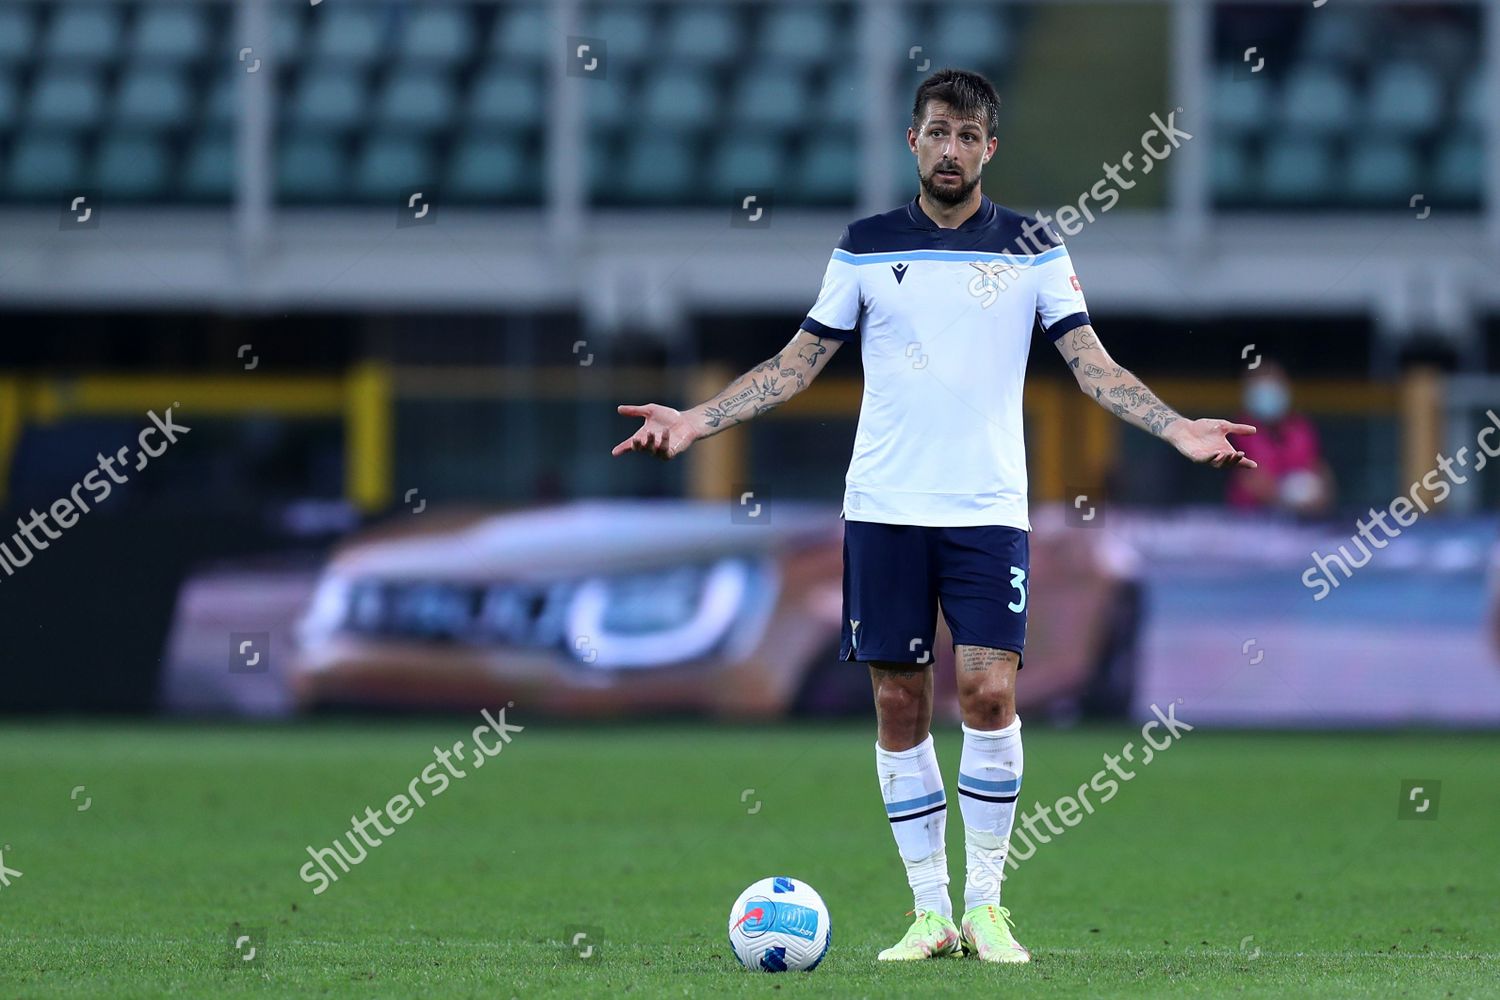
(1018, 580)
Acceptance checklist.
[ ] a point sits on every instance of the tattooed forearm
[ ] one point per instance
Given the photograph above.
(1113, 387)
(757, 396)
(766, 386)
(771, 364)
(1158, 419)
(1129, 399)
(1134, 395)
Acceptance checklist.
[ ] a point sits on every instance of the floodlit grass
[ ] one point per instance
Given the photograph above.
(1234, 865)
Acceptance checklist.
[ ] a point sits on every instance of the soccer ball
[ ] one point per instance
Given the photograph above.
(780, 925)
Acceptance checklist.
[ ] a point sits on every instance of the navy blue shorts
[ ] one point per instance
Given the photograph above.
(895, 576)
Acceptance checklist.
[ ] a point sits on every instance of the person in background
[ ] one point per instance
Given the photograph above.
(1290, 473)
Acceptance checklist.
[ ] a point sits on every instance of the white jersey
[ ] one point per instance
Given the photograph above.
(944, 319)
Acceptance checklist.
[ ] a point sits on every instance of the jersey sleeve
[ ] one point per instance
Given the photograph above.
(836, 312)
(1059, 297)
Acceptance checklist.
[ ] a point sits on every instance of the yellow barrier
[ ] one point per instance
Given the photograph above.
(1072, 440)
(368, 436)
(11, 420)
(362, 399)
(52, 399)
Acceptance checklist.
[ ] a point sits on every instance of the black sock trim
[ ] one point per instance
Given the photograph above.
(925, 812)
(989, 798)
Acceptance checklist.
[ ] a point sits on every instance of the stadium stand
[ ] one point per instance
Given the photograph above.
(141, 96)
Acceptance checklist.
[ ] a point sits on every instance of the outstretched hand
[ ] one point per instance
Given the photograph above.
(1205, 441)
(666, 432)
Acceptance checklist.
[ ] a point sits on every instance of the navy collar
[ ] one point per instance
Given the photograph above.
(981, 216)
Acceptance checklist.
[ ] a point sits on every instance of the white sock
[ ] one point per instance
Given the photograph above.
(917, 807)
(989, 781)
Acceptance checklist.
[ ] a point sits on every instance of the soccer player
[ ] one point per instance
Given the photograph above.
(942, 295)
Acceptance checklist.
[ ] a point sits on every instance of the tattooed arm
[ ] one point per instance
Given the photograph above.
(1124, 395)
(767, 385)
(667, 433)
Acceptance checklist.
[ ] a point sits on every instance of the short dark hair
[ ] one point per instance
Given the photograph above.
(967, 93)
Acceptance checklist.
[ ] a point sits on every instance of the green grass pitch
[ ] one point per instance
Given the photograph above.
(1234, 865)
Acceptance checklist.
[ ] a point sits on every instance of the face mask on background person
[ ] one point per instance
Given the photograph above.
(1267, 400)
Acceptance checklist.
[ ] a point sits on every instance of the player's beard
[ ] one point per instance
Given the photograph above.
(947, 195)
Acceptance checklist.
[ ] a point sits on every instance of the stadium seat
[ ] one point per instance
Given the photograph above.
(438, 35)
(1231, 179)
(741, 161)
(84, 32)
(43, 165)
(1317, 101)
(828, 173)
(601, 165)
(1382, 172)
(415, 100)
(773, 98)
(843, 96)
(899, 28)
(803, 34)
(903, 169)
(1240, 105)
(1459, 169)
(523, 34)
(1337, 38)
(132, 167)
(1471, 101)
(10, 104)
(150, 97)
(1405, 98)
(170, 32)
(703, 34)
(1297, 170)
(966, 34)
(510, 97)
(389, 164)
(656, 170)
(70, 98)
(17, 33)
(678, 99)
(488, 168)
(628, 32)
(286, 32)
(311, 167)
(209, 173)
(348, 35)
(222, 107)
(606, 103)
(329, 99)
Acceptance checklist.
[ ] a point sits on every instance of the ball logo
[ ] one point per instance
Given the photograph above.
(759, 918)
(763, 916)
(798, 921)
(1074, 279)
(755, 913)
